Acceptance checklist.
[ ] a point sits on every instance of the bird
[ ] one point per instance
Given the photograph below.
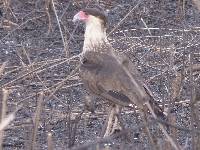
(106, 72)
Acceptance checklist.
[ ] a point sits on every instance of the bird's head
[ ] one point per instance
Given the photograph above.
(95, 32)
(91, 15)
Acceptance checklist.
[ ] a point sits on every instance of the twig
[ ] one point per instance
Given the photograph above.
(36, 120)
(3, 114)
(50, 144)
(65, 44)
(2, 68)
(162, 128)
(192, 102)
(121, 21)
(50, 65)
(62, 82)
(1, 40)
(177, 127)
(10, 117)
(146, 26)
(108, 138)
(47, 8)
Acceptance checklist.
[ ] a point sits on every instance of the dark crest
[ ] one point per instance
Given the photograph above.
(97, 13)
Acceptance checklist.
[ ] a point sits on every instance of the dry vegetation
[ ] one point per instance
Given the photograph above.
(42, 97)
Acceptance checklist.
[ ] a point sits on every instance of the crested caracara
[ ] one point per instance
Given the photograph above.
(105, 72)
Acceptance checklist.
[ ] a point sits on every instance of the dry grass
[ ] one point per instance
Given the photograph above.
(42, 102)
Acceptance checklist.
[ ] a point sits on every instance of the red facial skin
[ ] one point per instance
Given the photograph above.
(81, 16)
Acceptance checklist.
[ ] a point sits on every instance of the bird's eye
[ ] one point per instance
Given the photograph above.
(86, 14)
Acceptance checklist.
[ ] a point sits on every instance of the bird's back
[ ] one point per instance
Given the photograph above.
(106, 72)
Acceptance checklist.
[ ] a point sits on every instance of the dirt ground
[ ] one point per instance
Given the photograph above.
(39, 47)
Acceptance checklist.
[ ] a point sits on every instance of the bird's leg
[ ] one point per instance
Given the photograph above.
(117, 125)
(108, 124)
(113, 122)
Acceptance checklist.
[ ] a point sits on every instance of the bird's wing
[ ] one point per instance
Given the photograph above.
(106, 77)
(117, 98)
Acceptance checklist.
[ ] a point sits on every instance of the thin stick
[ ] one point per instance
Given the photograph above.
(65, 44)
(36, 120)
(40, 69)
(24, 23)
(2, 68)
(146, 26)
(47, 8)
(121, 21)
(10, 117)
(50, 141)
(3, 113)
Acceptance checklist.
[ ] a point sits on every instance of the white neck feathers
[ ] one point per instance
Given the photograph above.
(95, 34)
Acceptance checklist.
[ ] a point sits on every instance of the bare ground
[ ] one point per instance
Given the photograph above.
(160, 36)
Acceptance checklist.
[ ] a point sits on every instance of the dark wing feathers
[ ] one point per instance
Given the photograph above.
(119, 96)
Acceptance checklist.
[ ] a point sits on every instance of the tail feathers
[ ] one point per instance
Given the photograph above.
(157, 109)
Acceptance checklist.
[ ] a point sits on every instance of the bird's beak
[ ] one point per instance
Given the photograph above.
(76, 18)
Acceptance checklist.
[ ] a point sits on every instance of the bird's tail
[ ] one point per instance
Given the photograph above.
(155, 105)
